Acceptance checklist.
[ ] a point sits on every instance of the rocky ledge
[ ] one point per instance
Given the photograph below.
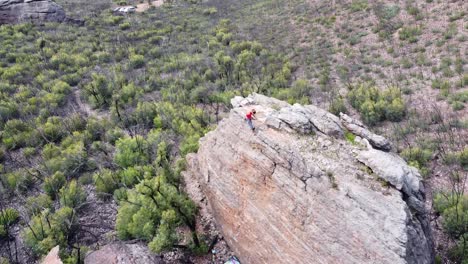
(296, 191)
(17, 11)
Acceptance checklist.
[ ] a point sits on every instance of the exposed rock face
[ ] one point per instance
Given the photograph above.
(120, 253)
(16, 11)
(295, 191)
(357, 128)
(53, 257)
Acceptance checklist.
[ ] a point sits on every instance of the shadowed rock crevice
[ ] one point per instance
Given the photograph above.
(296, 191)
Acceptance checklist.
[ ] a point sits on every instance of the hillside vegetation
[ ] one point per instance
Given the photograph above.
(96, 120)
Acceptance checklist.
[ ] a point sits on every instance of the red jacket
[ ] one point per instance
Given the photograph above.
(249, 115)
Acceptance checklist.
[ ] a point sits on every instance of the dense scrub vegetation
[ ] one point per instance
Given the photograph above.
(79, 106)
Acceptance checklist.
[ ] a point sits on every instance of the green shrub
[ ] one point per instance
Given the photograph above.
(114, 20)
(129, 93)
(406, 63)
(36, 204)
(8, 217)
(410, 34)
(300, 88)
(457, 106)
(396, 110)
(414, 11)
(162, 208)
(120, 195)
(386, 12)
(121, 2)
(463, 156)
(387, 24)
(422, 169)
(60, 87)
(210, 11)
(124, 25)
(17, 134)
(459, 252)
(137, 61)
(53, 184)
(20, 180)
(190, 144)
(421, 156)
(53, 129)
(70, 158)
(4, 260)
(457, 15)
(451, 31)
(72, 195)
(131, 151)
(418, 158)
(350, 137)
(375, 105)
(439, 84)
(2, 153)
(359, 5)
(48, 230)
(113, 135)
(132, 175)
(106, 181)
(99, 91)
(453, 209)
(338, 106)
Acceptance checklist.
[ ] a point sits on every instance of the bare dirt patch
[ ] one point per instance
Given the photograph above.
(145, 6)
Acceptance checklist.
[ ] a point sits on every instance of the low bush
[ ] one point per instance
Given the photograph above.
(410, 34)
(8, 217)
(53, 184)
(375, 105)
(72, 195)
(338, 106)
(418, 158)
(453, 208)
(137, 61)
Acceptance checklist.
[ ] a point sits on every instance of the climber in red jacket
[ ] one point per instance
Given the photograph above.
(249, 116)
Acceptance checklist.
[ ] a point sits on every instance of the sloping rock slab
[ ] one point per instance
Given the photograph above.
(283, 195)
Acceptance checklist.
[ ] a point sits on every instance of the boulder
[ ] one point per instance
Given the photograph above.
(359, 129)
(53, 257)
(259, 99)
(295, 191)
(121, 253)
(17, 11)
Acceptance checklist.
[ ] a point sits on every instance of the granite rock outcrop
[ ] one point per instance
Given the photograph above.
(295, 190)
(36, 11)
